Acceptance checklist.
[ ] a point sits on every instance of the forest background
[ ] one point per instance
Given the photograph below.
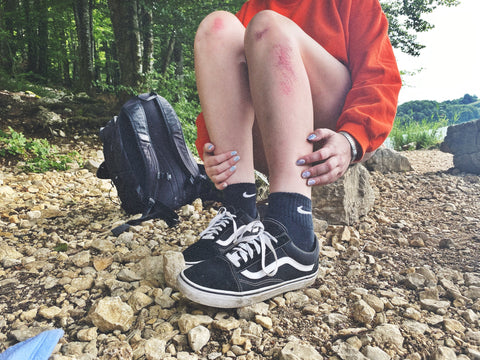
(123, 48)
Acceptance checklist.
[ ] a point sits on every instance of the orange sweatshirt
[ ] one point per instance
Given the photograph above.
(355, 33)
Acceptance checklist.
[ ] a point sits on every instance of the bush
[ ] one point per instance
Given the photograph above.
(181, 92)
(415, 135)
(38, 154)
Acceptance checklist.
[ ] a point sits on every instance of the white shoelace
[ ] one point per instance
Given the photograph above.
(218, 223)
(252, 240)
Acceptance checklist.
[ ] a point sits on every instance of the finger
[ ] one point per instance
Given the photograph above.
(324, 179)
(327, 172)
(213, 160)
(208, 148)
(223, 166)
(316, 156)
(326, 150)
(220, 180)
(320, 134)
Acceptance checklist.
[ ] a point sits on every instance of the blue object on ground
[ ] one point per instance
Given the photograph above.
(39, 347)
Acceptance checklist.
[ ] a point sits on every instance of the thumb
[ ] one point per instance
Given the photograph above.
(320, 134)
(208, 148)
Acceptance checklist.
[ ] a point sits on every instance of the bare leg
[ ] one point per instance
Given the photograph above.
(296, 85)
(222, 81)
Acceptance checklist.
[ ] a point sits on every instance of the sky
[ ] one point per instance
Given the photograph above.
(450, 62)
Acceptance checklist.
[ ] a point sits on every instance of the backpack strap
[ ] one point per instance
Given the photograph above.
(156, 210)
(176, 135)
(147, 96)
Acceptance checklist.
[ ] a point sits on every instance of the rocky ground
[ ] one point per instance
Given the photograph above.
(403, 283)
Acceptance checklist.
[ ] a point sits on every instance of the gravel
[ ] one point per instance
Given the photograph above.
(404, 283)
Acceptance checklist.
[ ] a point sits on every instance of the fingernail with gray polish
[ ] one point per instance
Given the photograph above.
(311, 137)
(210, 147)
(233, 153)
(306, 174)
(311, 182)
(300, 162)
(233, 168)
(236, 158)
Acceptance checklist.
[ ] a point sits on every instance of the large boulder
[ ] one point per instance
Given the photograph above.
(463, 141)
(346, 200)
(386, 160)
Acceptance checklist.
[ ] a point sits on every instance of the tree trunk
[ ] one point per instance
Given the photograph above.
(42, 41)
(124, 16)
(30, 29)
(65, 62)
(178, 57)
(168, 56)
(7, 43)
(147, 37)
(83, 20)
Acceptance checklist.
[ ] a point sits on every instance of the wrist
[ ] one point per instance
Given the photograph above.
(353, 146)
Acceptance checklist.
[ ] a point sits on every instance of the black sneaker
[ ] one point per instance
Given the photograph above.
(263, 264)
(218, 237)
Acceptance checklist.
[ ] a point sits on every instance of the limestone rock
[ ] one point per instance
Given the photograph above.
(375, 353)
(139, 300)
(362, 312)
(173, 264)
(186, 322)
(155, 349)
(111, 313)
(386, 160)
(434, 305)
(346, 351)
(8, 252)
(294, 350)
(444, 353)
(49, 118)
(463, 141)
(346, 200)
(198, 337)
(249, 312)
(388, 334)
(150, 268)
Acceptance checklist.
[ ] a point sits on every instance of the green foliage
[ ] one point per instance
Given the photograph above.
(181, 92)
(455, 111)
(38, 154)
(415, 135)
(405, 21)
(62, 247)
(23, 82)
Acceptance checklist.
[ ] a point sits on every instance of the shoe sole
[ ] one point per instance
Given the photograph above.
(228, 300)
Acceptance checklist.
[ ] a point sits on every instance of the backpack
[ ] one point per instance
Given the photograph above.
(149, 163)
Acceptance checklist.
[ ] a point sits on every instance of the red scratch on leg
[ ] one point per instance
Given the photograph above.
(283, 62)
(259, 34)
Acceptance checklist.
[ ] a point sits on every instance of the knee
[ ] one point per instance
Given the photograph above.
(268, 27)
(216, 26)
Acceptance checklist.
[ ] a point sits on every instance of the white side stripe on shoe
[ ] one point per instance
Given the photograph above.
(276, 265)
(232, 237)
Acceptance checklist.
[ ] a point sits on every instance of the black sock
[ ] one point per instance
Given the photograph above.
(294, 211)
(242, 196)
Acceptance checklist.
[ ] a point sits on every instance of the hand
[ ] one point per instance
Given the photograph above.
(335, 156)
(219, 167)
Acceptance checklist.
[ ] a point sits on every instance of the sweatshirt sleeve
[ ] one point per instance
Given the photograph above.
(371, 104)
